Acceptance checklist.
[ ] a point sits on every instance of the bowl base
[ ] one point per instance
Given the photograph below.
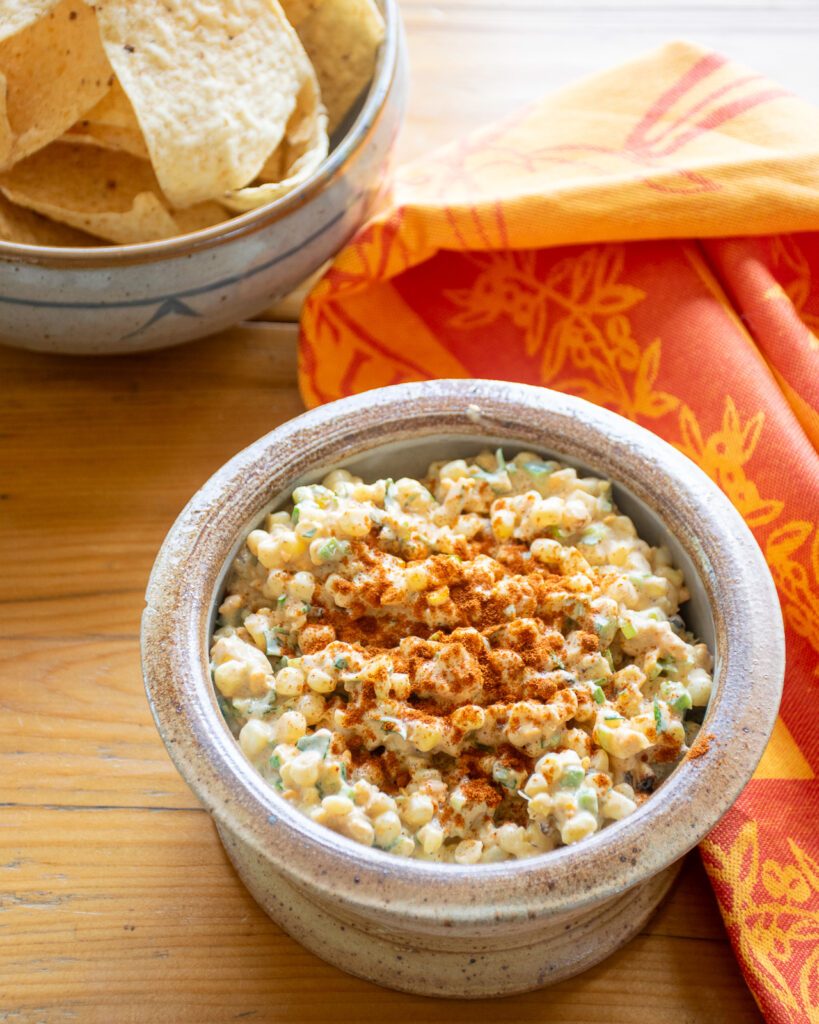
(461, 968)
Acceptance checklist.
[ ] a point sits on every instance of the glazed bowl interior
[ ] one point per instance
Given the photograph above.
(398, 431)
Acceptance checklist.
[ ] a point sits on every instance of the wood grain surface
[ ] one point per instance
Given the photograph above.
(117, 903)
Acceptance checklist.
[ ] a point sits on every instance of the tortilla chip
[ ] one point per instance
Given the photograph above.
(303, 148)
(20, 14)
(212, 85)
(29, 228)
(114, 109)
(52, 69)
(342, 39)
(119, 139)
(111, 124)
(195, 218)
(113, 195)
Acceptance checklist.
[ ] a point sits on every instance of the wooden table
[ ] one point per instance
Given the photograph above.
(117, 903)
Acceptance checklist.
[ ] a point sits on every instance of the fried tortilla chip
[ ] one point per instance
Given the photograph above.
(113, 195)
(29, 228)
(303, 148)
(212, 85)
(52, 69)
(111, 124)
(20, 14)
(341, 38)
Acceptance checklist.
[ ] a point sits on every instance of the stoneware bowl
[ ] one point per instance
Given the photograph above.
(128, 298)
(441, 929)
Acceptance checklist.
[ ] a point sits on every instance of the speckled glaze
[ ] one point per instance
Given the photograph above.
(489, 929)
(129, 298)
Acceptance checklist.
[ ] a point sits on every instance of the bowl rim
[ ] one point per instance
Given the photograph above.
(739, 719)
(386, 69)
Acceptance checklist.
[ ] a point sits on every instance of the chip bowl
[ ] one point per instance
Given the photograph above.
(131, 298)
(444, 929)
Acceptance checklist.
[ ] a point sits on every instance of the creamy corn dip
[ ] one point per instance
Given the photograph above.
(483, 665)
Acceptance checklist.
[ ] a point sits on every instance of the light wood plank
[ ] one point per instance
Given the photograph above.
(76, 729)
(100, 455)
(172, 936)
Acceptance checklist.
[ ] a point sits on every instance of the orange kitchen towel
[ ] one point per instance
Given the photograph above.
(648, 240)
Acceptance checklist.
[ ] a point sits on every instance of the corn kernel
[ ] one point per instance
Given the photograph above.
(304, 769)
(431, 837)
(616, 806)
(387, 828)
(255, 537)
(578, 827)
(268, 553)
(416, 578)
(291, 546)
(468, 717)
(425, 736)
(290, 727)
(359, 829)
(289, 682)
(337, 806)
(418, 810)
(436, 598)
(255, 736)
(312, 706)
(468, 851)
(320, 681)
(301, 587)
(503, 523)
(540, 806)
(354, 522)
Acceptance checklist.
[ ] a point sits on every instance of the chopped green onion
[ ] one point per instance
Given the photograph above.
(668, 666)
(605, 628)
(593, 534)
(318, 741)
(340, 663)
(281, 600)
(310, 533)
(658, 716)
(505, 776)
(390, 500)
(333, 548)
(599, 696)
(500, 460)
(609, 659)
(587, 800)
(275, 762)
(683, 703)
(294, 515)
(538, 468)
(572, 776)
(272, 645)
(627, 629)
(397, 725)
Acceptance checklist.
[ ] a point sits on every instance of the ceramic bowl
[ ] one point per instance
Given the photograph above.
(128, 298)
(441, 929)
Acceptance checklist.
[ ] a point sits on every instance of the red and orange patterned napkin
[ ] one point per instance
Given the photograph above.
(648, 240)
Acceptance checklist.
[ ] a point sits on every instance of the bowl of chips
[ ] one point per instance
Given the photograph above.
(169, 168)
